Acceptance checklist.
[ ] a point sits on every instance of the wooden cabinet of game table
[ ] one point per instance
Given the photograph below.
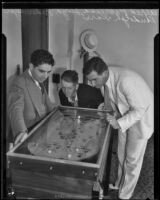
(66, 155)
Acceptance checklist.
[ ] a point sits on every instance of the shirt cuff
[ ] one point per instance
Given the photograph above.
(120, 125)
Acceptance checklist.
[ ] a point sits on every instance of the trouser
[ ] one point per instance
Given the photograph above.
(131, 151)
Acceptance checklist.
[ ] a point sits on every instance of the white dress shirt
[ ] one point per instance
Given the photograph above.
(75, 101)
(36, 82)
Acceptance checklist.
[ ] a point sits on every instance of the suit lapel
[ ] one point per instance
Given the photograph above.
(116, 94)
(123, 108)
(111, 83)
(35, 94)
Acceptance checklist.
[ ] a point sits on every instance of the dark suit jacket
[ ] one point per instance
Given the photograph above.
(88, 97)
(26, 104)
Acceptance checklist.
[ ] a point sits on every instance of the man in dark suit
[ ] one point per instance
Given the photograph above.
(28, 101)
(73, 93)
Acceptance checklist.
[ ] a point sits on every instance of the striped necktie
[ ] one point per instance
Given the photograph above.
(107, 101)
(42, 87)
(110, 104)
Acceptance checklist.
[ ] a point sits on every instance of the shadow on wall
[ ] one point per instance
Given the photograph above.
(57, 82)
(78, 67)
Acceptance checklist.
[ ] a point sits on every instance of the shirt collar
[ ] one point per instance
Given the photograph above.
(71, 101)
(37, 83)
(108, 82)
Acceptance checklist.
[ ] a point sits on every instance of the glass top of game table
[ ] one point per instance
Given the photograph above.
(75, 134)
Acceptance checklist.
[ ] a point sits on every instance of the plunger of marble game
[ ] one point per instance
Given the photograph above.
(78, 119)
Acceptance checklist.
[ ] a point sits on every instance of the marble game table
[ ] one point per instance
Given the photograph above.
(66, 155)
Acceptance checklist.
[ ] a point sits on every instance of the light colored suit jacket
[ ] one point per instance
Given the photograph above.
(26, 103)
(134, 99)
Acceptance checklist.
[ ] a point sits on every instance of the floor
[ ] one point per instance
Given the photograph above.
(145, 186)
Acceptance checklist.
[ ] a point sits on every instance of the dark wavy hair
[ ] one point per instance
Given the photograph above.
(94, 64)
(41, 56)
(70, 76)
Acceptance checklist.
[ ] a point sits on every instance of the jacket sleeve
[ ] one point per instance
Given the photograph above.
(16, 108)
(134, 94)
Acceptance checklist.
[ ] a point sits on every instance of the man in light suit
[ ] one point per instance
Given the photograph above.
(132, 101)
(28, 101)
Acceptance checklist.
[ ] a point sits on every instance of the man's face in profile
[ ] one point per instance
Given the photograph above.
(97, 80)
(41, 72)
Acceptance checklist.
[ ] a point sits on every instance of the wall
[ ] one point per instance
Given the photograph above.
(60, 30)
(125, 38)
(11, 27)
(123, 43)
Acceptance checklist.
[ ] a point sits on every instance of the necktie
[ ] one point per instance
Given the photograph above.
(42, 87)
(107, 101)
(110, 103)
(75, 102)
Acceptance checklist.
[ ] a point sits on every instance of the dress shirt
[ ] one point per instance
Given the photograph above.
(74, 101)
(112, 96)
(107, 101)
(40, 85)
(36, 82)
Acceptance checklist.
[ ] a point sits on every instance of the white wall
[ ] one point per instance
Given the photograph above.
(123, 44)
(59, 30)
(11, 27)
(121, 41)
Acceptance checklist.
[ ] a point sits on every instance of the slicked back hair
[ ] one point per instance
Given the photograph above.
(70, 76)
(95, 64)
(41, 56)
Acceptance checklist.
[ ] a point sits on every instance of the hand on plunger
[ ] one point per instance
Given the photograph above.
(20, 137)
(101, 108)
(113, 121)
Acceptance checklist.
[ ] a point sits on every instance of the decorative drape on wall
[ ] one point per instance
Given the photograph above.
(34, 33)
